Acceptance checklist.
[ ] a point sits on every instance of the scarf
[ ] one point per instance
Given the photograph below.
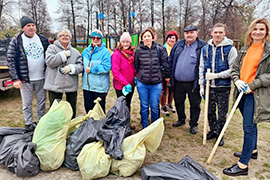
(128, 54)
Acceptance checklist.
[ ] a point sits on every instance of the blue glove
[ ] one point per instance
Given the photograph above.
(126, 89)
(135, 81)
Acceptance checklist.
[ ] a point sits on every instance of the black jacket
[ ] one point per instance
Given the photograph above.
(149, 67)
(17, 60)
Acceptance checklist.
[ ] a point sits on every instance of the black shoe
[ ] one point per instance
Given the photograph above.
(178, 123)
(193, 130)
(221, 143)
(211, 135)
(30, 127)
(235, 170)
(253, 156)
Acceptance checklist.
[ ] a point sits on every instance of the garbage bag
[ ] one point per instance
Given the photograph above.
(4, 131)
(135, 146)
(86, 133)
(115, 129)
(93, 161)
(50, 135)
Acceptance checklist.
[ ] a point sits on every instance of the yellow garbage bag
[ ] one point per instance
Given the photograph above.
(93, 161)
(50, 135)
(134, 148)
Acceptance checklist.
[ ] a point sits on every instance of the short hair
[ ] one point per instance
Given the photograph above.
(148, 30)
(153, 30)
(219, 25)
(63, 30)
(252, 26)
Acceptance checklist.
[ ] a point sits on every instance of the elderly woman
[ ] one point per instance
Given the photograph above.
(64, 63)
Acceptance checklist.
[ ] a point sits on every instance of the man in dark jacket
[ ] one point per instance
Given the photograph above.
(184, 59)
(26, 62)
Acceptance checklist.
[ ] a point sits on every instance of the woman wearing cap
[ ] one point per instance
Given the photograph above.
(97, 65)
(64, 63)
(123, 69)
(251, 74)
(151, 64)
(167, 91)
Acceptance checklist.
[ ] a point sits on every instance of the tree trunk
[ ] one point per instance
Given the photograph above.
(74, 24)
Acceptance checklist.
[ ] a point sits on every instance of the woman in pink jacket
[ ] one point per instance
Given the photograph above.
(123, 69)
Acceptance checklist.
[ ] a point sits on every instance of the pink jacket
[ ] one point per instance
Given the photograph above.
(123, 72)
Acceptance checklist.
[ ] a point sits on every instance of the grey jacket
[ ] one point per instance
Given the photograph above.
(55, 59)
(260, 85)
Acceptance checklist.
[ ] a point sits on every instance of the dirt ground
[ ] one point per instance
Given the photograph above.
(176, 143)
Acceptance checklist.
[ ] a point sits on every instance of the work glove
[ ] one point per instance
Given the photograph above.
(241, 85)
(202, 92)
(65, 69)
(211, 76)
(67, 53)
(248, 90)
(126, 89)
(135, 81)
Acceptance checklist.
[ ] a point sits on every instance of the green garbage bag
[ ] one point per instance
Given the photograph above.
(50, 135)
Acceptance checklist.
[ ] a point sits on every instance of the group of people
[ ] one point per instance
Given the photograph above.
(161, 74)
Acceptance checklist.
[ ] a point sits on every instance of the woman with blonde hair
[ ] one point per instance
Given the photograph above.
(251, 74)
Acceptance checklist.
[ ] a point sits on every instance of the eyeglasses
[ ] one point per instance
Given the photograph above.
(95, 38)
(66, 36)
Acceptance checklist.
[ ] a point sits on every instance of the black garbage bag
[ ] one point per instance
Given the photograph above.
(5, 131)
(173, 171)
(115, 129)
(85, 134)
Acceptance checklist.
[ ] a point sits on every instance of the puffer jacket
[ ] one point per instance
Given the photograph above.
(260, 85)
(149, 67)
(17, 60)
(123, 71)
(56, 81)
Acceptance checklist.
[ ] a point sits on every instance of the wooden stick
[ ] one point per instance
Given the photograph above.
(205, 124)
(225, 127)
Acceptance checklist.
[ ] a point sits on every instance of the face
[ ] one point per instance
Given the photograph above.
(171, 40)
(258, 33)
(96, 41)
(64, 38)
(218, 34)
(29, 29)
(125, 44)
(190, 36)
(147, 38)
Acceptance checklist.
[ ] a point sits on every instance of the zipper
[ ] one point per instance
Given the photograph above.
(89, 73)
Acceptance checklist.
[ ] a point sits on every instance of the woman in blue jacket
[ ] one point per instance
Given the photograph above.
(97, 65)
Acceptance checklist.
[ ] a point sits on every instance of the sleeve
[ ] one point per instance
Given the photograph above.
(137, 61)
(105, 65)
(201, 70)
(11, 59)
(165, 62)
(54, 59)
(116, 64)
(235, 72)
(76, 68)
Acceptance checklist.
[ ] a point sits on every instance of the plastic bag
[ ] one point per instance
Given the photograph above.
(135, 146)
(50, 135)
(93, 161)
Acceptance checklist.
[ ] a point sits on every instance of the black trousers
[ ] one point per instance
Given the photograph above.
(71, 97)
(128, 96)
(90, 96)
(180, 90)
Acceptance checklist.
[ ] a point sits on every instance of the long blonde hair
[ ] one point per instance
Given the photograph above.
(252, 26)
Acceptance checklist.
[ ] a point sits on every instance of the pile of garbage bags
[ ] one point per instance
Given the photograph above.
(95, 144)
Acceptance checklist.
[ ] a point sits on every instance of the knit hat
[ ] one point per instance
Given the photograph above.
(125, 37)
(172, 33)
(96, 32)
(26, 20)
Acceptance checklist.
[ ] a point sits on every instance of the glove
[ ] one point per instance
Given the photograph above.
(126, 89)
(241, 85)
(67, 53)
(65, 69)
(135, 81)
(202, 92)
(248, 90)
(211, 76)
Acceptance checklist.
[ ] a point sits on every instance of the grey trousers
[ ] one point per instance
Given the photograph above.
(27, 92)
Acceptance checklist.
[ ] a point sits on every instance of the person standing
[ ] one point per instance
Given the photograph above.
(167, 91)
(26, 62)
(97, 65)
(251, 74)
(185, 58)
(150, 69)
(64, 63)
(218, 56)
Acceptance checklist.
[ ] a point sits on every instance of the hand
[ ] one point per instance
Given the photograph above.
(65, 69)
(211, 76)
(67, 53)
(17, 84)
(87, 70)
(248, 90)
(126, 89)
(202, 92)
(241, 85)
(135, 80)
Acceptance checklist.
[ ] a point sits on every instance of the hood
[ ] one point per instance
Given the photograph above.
(226, 41)
(58, 44)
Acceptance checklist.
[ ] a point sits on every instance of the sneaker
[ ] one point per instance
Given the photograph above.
(164, 111)
(170, 108)
(193, 130)
(30, 127)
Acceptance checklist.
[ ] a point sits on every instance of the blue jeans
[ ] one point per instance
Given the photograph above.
(246, 107)
(149, 93)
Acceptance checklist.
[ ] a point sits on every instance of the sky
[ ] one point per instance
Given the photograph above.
(52, 6)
